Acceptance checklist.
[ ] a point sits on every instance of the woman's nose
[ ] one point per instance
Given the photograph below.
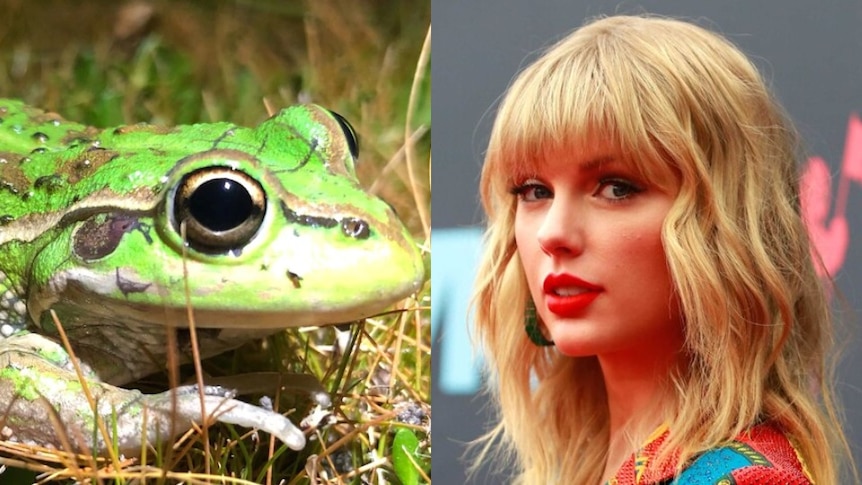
(561, 231)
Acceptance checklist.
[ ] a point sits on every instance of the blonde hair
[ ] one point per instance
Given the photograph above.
(687, 108)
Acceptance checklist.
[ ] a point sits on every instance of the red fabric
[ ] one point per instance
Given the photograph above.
(771, 460)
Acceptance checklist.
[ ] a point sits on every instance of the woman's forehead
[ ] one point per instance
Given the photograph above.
(591, 157)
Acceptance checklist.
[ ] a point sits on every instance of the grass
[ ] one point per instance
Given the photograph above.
(185, 62)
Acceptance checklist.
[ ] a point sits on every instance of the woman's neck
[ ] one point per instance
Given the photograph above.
(640, 398)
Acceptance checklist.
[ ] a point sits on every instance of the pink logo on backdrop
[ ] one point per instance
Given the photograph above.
(831, 237)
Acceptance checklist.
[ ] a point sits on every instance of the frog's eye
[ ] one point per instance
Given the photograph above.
(222, 208)
(349, 133)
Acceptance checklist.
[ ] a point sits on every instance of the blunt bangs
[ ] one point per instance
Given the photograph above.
(593, 90)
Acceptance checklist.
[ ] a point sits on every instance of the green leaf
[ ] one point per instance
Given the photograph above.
(404, 455)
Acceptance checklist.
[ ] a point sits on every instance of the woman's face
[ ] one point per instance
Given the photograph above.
(588, 231)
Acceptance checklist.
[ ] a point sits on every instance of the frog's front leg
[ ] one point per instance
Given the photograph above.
(37, 381)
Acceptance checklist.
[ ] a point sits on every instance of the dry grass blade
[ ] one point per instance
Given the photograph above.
(196, 353)
(410, 155)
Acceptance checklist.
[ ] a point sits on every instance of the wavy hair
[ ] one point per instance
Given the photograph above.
(688, 109)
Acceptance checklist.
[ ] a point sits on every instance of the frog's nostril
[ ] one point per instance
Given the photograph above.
(355, 228)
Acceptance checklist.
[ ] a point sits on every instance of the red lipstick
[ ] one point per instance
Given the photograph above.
(567, 295)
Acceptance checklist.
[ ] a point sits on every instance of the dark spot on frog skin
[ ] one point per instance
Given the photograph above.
(6, 219)
(295, 279)
(51, 183)
(40, 137)
(128, 286)
(101, 234)
(8, 187)
(75, 137)
(12, 177)
(77, 141)
(38, 150)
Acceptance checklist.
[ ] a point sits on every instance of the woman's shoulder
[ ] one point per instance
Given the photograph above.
(761, 455)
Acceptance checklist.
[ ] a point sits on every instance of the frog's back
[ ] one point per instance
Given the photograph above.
(43, 156)
(50, 167)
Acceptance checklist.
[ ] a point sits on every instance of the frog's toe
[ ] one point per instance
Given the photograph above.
(250, 416)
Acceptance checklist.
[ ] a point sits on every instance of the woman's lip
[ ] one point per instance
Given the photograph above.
(572, 305)
(564, 280)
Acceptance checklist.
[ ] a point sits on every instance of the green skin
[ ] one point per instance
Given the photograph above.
(91, 226)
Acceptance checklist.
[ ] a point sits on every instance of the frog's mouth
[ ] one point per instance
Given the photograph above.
(110, 327)
(82, 297)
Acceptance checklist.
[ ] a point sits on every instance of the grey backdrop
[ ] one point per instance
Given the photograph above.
(811, 53)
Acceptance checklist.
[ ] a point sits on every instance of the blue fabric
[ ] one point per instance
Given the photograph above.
(712, 466)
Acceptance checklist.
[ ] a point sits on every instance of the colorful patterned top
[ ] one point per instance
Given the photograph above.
(761, 456)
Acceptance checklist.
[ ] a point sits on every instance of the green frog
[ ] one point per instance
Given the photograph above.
(117, 235)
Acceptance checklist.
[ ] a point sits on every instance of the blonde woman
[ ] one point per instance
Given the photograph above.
(647, 303)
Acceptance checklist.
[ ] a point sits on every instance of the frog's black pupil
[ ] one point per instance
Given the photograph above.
(349, 133)
(220, 204)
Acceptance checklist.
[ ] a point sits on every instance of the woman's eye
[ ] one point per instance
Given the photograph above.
(532, 191)
(616, 190)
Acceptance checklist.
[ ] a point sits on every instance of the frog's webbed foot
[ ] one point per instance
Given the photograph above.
(42, 402)
(220, 406)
